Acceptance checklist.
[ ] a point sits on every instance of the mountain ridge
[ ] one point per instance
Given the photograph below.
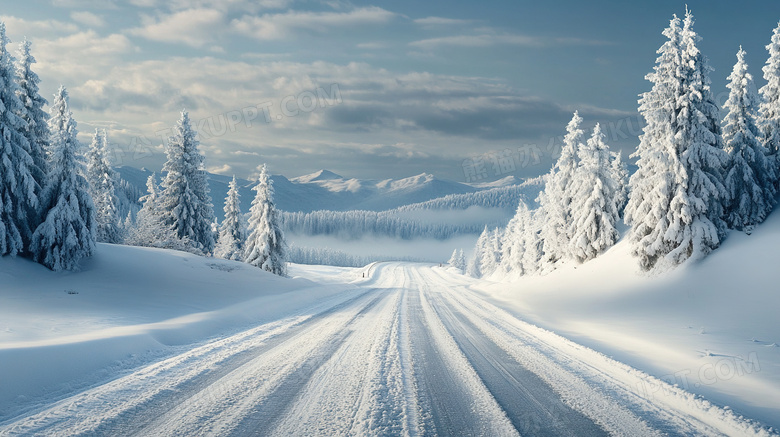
(326, 190)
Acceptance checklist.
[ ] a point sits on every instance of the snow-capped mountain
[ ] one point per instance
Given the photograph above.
(325, 190)
(503, 182)
(317, 176)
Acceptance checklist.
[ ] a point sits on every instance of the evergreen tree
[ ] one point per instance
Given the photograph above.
(149, 200)
(769, 109)
(67, 233)
(266, 247)
(532, 242)
(490, 260)
(453, 262)
(651, 184)
(557, 195)
(677, 194)
(230, 244)
(19, 187)
(458, 260)
(150, 229)
(185, 201)
(127, 224)
(101, 187)
(620, 175)
(749, 173)
(594, 209)
(474, 267)
(36, 120)
(519, 240)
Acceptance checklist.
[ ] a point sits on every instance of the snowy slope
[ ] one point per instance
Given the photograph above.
(406, 350)
(62, 331)
(503, 182)
(711, 327)
(320, 175)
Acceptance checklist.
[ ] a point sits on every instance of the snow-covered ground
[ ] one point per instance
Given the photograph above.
(161, 343)
(62, 332)
(711, 327)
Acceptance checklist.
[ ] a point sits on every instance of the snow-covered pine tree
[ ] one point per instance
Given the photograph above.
(490, 260)
(594, 213)
(101, 187)
(230, 244)
(147, 230)
(677, 194)
(699, 204)
(36, 119)
(149, 201)
(127, 195)
(453, 261)
(515, 242)
(532, 242)
(127, 224)
(19, 187)
(555, 199)
(769, 109)
(474, 266)
(66, 234)
(750, 175)
(620, 175)
(150, 229)
(458, 260)
(651, 184)
(461, 261)
(266, 247)
(185, 202)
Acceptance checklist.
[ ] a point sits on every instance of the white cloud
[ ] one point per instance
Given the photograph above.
(96, 54)
(88, 19)
(85, 4)
(489, 38)
(193, 27)
(276, 26)
(233, 5)
(484, 40)
(221, 5)
(440, 21)
(144, 3)
(87, 44)
(17, 28)
(224, 169)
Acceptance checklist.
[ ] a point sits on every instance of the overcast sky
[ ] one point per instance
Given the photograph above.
(368, 90)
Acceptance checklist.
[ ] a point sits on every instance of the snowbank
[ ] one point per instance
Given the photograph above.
(127, 306)
(711, 327)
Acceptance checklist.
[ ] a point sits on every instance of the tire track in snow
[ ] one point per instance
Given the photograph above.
(594, 384)
(129, 403)
(251, 396)
(365, 388)
(344, 392)
(452, 394)
(530, 403)
(423, 354)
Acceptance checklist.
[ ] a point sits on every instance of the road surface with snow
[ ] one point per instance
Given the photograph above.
(412, 351)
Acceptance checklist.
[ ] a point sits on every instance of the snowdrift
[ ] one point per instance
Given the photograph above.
(128, 305)
(710, 327)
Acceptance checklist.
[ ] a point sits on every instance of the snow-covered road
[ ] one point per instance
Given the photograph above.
(413, 352)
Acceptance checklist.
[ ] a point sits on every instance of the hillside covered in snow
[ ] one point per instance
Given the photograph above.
(325, 190)
(710, 327)
(186, 331)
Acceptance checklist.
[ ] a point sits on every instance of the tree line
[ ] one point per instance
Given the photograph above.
(698, 176)
(56, 203)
